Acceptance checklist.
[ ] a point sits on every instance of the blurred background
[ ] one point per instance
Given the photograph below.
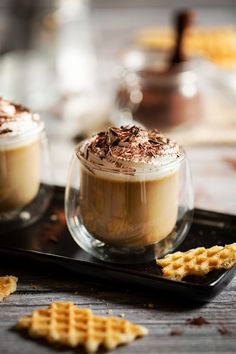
(87, 64)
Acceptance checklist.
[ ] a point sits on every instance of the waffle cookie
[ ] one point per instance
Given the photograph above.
(7, 286)
(218, 44)
(67, 324)
(198, 261)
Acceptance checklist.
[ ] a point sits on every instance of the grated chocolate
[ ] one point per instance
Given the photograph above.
(132, 144)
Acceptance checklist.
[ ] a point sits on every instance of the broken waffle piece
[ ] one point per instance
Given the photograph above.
(67, 324)
(198, 261)
(7, 286)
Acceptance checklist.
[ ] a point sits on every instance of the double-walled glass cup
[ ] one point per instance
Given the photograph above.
(128, 218)
(25, 177)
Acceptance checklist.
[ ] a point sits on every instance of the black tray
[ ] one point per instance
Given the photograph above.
(49, 240)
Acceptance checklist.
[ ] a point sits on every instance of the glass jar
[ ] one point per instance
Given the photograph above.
(158, 96)
(25, 177)
(124, 217)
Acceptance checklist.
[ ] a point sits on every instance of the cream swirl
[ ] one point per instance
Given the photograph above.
(16, 119)
(130, 148)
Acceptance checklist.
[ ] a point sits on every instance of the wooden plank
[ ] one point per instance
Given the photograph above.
(37, 288)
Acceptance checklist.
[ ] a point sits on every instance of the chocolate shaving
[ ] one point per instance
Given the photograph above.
(154, 142)
(140, 146)
(150, 153)
(113, 131)
(130, 143)
(20, 108)
(5, 131)
(101, 134)
(86, 152)
(115, 142)
(125, 128)
(126, 140)
(135, 130)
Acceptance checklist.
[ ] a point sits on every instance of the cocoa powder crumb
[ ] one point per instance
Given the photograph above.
(151, 306)
(223, 330)
(53, 239)
(176, 332)
(34, 286)
(198, 321)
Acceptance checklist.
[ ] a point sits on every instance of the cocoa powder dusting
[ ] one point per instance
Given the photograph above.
(176, 332)
(198, 321)
(224, 331)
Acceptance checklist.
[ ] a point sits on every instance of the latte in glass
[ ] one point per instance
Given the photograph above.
(19, 155)
(129, 186)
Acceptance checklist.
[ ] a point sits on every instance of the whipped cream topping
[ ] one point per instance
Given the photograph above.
(16, 119)
(129, 148)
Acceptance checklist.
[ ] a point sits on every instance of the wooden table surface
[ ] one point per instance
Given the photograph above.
(166, 318)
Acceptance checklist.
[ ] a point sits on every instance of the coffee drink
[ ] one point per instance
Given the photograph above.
(129, 188)
(19, 156)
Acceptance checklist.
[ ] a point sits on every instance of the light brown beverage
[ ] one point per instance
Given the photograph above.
(19, 175)
(19, 156)
(129, 186)
(129, 213)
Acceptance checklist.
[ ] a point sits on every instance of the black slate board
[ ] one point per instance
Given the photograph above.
(49, 240)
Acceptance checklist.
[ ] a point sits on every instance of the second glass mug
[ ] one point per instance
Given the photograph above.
(25, 178)
(123, 218)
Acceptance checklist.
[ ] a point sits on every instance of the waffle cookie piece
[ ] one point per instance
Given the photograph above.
(7, 286)
(67, 324)
(217, 44)
(198, 261)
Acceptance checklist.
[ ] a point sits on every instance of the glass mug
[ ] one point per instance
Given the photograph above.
(123, 218)
(158, 96)
(25, 177)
